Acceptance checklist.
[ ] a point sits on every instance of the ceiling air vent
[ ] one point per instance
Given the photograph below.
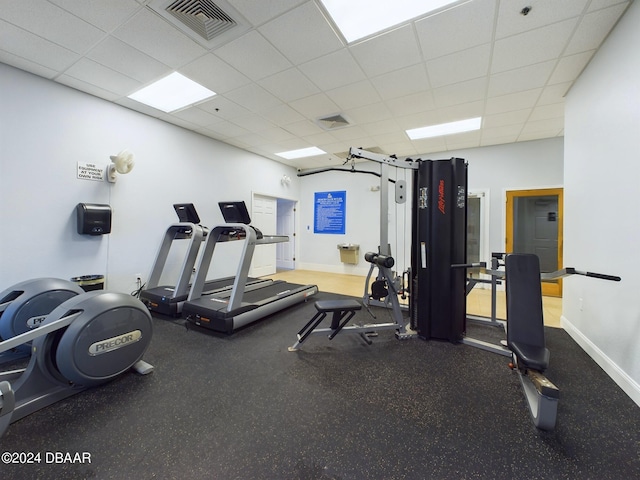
(207, 22)
(333, 122)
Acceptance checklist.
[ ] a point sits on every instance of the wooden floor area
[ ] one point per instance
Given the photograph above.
(478, 301)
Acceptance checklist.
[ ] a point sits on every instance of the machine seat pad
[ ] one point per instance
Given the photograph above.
(337, 305)
(531, 356)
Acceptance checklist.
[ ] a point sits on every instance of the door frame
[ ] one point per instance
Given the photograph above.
(554, 288)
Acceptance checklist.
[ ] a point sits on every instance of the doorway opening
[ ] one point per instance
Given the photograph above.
(534, 225)
(274, 216)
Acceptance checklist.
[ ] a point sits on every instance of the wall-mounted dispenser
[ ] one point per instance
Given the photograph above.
(93, 218)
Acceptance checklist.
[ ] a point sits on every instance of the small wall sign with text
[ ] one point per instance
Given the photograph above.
(90, 171)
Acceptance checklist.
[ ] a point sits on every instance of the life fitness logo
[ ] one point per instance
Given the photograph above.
(441, 203)
(114, 343)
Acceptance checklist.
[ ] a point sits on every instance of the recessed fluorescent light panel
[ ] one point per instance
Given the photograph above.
(445, 128)
(171, 93)
(303, 152)
(357, 19)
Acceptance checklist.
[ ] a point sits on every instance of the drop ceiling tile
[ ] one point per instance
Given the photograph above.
(418, 120)
(302, 34)
(260, 12)
(461, 111)
(214, 73)
(401, 149)
(333, 70)
(282, 115)
(463, 92)
(535, 46)
(515, 117)
(499, 140)
(594, 28)
(354, 95)
(418, 102)
(459, 66)
(455, 143)
(253, 56)
(314, 106)
(442, 34)
(570, 67)
(369, 113)
(223, 108)
(89, 88)
(277, 134)
(289, 85)
(513, 101)
(21, 43)
(93, 73)
(512, 130)
(253, 97)
(545, 112)
(249, 140)
(26, 65)
(552, 126)
(385, 53)
(380, 127)
(321, 138)
(154, 36)
(598, 4)
(304, 128)
(227, 129)
(543, 12)
(405, 81)
(429, 145)
(123, 58)
(104, 15)
(196, 116)
(169, 118)
(525, 78)
(349, 133)
(51, 22)
(554, 93)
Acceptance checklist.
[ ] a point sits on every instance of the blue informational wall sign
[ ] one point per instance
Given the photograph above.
(330, 212)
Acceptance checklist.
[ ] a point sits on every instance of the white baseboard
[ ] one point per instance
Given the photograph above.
(624, 381)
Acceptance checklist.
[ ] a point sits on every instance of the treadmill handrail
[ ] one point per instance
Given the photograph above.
(197, 236)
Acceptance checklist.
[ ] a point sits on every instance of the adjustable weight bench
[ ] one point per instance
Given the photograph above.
(342, 311)
(525, 337)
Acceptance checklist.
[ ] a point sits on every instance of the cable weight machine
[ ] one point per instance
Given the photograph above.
(436, 280)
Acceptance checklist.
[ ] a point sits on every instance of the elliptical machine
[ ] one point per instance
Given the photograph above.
(84, 342)
(25, 305)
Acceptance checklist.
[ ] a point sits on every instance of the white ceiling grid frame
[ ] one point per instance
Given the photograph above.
(214, 73)
(104, 15)
(53, 23)
(334, 70)
(531, 47)
(302, 34)
(253, 56)
(289, 85)
(127, 60)
(287, 65)
(441, 34)
(42, 52)
(151, 34)
(388, 52)
(525, 78)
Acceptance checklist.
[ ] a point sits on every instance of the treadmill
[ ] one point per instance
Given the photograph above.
(168, 299)
(226, 311)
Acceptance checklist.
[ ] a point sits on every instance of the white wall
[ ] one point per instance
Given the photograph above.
(495, 169)
(602, 227)
(46, 128)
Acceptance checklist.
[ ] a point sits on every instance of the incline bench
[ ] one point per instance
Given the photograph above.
(525, 337)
